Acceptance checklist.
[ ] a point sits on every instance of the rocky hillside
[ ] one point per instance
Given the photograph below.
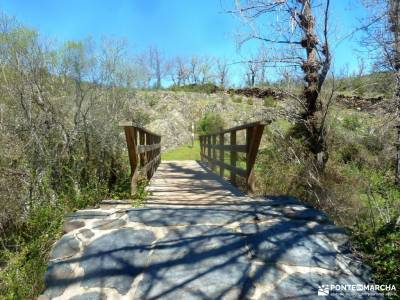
(171, 114)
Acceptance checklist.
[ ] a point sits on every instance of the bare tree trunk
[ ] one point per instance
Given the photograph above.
(394, 21)
(314, 77)
(158, 72)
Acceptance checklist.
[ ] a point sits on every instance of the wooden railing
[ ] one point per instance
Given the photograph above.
(144, 151)
(252, 139)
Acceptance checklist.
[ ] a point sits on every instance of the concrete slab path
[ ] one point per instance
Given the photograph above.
(198, 237)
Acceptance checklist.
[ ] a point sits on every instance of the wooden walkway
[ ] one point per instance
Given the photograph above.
(190, 183)
(198, 237)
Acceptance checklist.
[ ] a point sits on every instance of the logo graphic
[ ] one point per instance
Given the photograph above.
(323, 290)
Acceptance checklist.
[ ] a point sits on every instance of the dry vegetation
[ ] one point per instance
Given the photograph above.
(61, 147)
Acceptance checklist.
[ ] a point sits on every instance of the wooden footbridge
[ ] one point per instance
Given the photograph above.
(199, 237)
(144, 148)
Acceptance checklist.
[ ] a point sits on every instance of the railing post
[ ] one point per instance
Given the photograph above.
(149, 155)
(131, 141)
(221, 154)
(214, 151)
(233, 156)
(253, 139)
(141, 142)
(201, 148)
(149, 142)
(209, 150)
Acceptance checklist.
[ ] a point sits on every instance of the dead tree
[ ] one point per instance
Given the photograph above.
(153, 67)
(251, 73)
(178, 70)
(156, 63)
(288, 29)
(205, 70)
(256, 68)
(394, 62)
(194, 71)
(222, 71)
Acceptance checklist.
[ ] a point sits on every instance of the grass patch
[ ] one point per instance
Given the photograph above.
(185, 152)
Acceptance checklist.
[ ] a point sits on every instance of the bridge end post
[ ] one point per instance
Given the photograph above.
(131, 142)
(144, 150)
(253, 140)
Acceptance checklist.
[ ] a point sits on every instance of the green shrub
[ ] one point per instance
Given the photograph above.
(381, 250)
(351, 153)
(351, 122)
(210, 123)
(270, 101)
(23, 274)
(250, 101)
(238, 99)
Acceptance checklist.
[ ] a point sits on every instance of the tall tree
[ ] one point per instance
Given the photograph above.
(295, 37)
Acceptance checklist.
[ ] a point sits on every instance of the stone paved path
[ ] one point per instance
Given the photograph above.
(198, 237)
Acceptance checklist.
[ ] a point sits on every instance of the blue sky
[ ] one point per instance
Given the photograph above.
(179, 27)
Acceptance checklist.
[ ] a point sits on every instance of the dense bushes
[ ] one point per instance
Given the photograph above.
(210, 123)
(61, 147)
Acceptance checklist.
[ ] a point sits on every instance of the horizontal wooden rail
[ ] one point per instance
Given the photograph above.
(144, 150)
(236, 148)
(235, 170)
(209, 145)
(133, 124)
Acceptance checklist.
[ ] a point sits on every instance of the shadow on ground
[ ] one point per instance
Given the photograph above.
(200, 238)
